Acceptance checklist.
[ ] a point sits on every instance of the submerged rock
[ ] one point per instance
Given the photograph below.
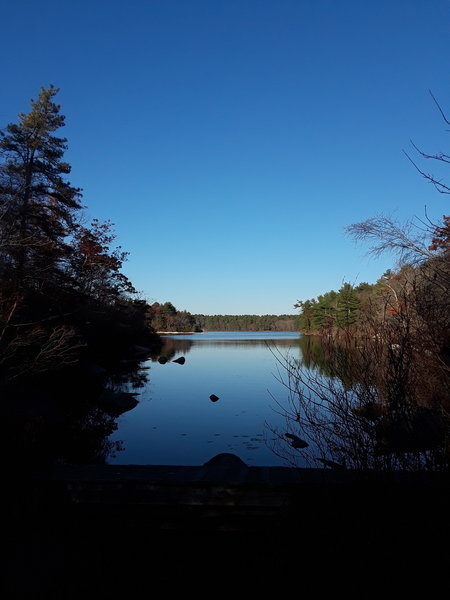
(296, 442)
(117, 402)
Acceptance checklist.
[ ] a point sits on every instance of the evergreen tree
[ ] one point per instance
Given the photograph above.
(62, 292)
(308, 308)
(348, 304)
(37, 204)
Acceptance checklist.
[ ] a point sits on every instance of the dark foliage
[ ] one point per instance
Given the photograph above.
(63, 296)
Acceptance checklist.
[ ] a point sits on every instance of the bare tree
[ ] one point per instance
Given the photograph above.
(386, 402)
(410, 240)
(441, 157)
(382, 405)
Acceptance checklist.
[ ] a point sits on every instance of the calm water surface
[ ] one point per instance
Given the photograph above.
(176, 423)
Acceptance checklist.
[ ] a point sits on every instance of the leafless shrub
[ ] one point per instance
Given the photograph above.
(35, 349)
(384, 401)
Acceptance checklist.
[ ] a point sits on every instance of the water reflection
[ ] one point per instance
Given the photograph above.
(329, 360)
(218, 401)
(248, 340)
(70, 419)
(271, 399)
(361, 407)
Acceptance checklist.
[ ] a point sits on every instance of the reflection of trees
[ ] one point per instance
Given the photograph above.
(178, 345)
(171, 347)
(382, 405)
(329, 360)
(64, 420)
(127, 373)
(69, 433)
(389, 405)
(314, 354)
(85, 439)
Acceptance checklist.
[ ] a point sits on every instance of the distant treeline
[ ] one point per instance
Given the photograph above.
(247, 322)
(165, 317)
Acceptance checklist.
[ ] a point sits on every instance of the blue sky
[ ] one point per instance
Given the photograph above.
(231, 142)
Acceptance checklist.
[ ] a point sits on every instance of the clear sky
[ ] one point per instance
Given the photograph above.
(232, 141)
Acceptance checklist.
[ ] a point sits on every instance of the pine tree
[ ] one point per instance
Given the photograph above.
(348, 305)
(37, 204)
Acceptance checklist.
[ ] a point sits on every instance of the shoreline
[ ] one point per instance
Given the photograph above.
(177, 332)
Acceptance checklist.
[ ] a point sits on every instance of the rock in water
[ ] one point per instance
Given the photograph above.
(225, 459)
(213, 398)
(296, 442)
(180, 360)
(225, 467)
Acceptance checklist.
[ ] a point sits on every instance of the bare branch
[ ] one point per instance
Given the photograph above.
(387, 235)
(439, 108)
(442, 188)
(441, 156)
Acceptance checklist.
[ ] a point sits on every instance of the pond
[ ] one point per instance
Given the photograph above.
(220, 399)
(272, 399)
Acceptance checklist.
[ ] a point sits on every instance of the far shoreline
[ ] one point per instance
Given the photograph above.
(226, 331)
(177, 332)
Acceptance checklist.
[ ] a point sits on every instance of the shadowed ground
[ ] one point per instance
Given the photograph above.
(108, 531)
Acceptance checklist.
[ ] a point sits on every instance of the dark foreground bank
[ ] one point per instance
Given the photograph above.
(107, 531)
